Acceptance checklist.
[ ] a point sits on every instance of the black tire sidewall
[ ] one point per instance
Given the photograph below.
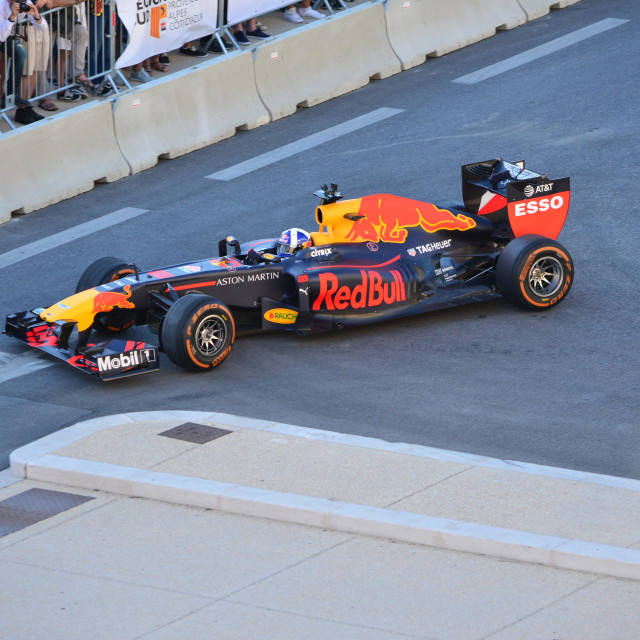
(515, 263)
(180, 323)
(103, 270)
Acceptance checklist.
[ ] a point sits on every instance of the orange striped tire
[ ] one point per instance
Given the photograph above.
(534, 272)
(197, 333)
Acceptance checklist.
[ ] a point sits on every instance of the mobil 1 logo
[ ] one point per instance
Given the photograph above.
(116, 365)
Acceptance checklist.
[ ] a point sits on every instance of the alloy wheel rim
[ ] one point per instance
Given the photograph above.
(210, 335)
(545, 276)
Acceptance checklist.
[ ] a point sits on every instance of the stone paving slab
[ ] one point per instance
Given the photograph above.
(120, 567)
(538, 504)
(400, 480)
(352, 484)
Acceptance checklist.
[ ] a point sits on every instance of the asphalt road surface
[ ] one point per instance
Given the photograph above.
(557, 388)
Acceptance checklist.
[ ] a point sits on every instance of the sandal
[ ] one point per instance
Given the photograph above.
(47, 105)
(85, 82)
(158, 66)
(147, 68)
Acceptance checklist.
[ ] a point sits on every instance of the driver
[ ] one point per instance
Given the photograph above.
(292, 240)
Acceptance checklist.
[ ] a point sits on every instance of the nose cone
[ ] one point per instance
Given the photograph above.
(77, 308)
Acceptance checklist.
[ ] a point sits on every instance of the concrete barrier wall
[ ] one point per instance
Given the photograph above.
(110, 139)
(189, 110)
(419, 29)
(325, 59)
(538, 8)
(58, 158)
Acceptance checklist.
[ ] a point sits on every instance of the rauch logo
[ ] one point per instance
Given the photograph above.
(281, 316)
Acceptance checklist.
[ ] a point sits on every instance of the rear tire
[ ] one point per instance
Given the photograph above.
(534, 272)
(197, 333)
(100, 272)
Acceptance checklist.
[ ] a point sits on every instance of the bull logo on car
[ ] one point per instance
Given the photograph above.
(385, 218)
(108, 300)
(41, 336)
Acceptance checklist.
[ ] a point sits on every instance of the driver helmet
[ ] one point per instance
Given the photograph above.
(291, 240)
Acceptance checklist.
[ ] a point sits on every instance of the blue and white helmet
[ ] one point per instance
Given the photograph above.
(291, 240)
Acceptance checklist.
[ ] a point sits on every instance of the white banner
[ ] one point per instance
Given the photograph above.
(241, 10)
(156, 26)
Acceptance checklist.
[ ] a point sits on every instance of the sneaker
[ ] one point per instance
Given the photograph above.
(140, 75)
(22, 116)
(78, 91)
(71, 96)
(164, 59)
(192, 52)
(291, 15)
(215, 47)
(258, 33)
(241, 39)
(310, 12)
(106, 90)
(26, 115)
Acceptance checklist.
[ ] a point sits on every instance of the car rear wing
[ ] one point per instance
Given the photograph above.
(516, 200)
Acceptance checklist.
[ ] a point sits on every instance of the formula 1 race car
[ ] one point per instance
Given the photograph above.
(373, 258)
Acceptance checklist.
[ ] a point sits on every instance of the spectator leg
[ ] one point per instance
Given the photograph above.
(80, 42)
(18, 56)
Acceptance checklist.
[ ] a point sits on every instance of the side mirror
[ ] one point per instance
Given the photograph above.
(232, 242)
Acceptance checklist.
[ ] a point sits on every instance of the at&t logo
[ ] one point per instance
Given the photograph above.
(532, 189)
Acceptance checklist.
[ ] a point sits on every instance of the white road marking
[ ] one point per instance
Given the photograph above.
(69, 235)
(14, 365)
(539, 52)
(304, 144)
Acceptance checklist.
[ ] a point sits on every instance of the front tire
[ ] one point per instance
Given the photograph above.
(197, 332)
(534, 272)
(102, 271)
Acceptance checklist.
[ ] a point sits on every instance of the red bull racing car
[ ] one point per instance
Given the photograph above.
(372, 258)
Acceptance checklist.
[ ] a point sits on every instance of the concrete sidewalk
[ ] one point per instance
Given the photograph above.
(228, 527)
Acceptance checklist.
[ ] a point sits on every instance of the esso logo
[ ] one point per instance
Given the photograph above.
(541, 204)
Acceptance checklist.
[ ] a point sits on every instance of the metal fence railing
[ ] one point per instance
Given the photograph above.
(75, 55)
(71, 58)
